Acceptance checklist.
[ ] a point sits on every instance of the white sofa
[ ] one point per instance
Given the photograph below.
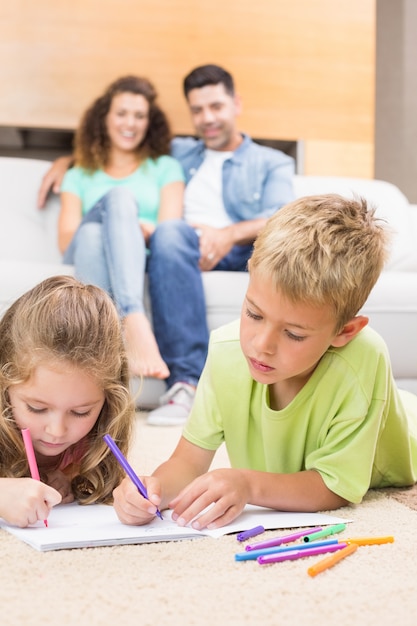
(29, 253)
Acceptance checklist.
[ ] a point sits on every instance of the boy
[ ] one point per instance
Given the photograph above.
(301, 391)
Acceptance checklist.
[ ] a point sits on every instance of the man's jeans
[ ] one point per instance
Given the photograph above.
(108, 250)
(177, 297)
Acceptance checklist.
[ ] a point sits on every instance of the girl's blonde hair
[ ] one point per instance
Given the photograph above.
(63, 322)
(324, 250)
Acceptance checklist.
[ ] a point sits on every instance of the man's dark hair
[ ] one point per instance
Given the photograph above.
(208, 75)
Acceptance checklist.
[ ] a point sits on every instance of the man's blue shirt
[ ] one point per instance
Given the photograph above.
(257, 180)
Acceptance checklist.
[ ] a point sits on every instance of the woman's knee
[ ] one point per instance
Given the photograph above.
(90, 236)
(120, 201)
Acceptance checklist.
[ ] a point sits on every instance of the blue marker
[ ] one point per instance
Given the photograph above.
(253, 554)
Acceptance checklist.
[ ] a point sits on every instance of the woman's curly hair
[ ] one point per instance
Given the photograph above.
(92, 143)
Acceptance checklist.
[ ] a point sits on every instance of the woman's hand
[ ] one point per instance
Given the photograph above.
(223, 492)
(131, 507)
(147, 230)
(52, 180)
(24, 501)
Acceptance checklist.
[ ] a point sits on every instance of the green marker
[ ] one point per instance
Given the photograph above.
(331, 530)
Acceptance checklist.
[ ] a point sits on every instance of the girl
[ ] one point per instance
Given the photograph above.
(64, 375)
(124, 183)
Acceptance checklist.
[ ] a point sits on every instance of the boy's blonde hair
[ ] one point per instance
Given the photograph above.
(65, 323)
(324, 250)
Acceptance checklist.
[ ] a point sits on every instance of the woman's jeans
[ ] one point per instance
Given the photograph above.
(177, 297)
(109, 251)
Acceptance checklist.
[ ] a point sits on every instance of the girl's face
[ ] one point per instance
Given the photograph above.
(127, 121)
(59, 406)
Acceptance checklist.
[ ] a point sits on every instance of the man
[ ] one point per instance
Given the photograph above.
(232, 186)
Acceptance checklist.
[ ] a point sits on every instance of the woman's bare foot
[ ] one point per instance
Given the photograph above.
(141, 347)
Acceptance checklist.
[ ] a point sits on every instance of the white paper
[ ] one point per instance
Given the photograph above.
(76, 526)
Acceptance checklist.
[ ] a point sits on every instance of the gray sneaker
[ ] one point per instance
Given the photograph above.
(175, 406)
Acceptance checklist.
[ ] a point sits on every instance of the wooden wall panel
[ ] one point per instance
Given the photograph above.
(305, 68)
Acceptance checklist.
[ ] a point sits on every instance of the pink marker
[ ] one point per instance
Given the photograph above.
(30, 453)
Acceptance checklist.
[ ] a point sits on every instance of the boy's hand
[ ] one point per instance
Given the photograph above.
(228, 489)
(131, 507)
(24, 501)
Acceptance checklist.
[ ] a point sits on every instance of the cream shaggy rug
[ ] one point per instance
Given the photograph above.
(199, 583)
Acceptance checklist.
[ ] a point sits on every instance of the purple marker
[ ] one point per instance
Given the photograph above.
(277, 541)
(299, 554)
(253, 554)
(128, 469)
(252, 532)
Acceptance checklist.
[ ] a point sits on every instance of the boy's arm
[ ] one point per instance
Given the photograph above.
(184, 484)
(232, 489)
(185, 464)
(303, 491)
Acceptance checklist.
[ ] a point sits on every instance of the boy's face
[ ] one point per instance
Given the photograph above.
(281, 340)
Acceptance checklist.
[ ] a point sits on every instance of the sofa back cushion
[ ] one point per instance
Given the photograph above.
(26, 232)
(390, 203)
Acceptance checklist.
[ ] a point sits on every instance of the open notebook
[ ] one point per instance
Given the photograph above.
(75, 526)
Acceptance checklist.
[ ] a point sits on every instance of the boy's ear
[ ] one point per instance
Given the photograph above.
(350, 330)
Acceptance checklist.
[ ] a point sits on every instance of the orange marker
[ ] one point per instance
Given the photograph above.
(332, 560)
(369, 541)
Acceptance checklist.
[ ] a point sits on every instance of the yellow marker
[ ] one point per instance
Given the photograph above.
(332, 560)
(369, 541)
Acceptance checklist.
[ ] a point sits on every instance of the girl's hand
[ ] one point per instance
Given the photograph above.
(24, 501)
(227, 490)
(131, 507)
(62, 483)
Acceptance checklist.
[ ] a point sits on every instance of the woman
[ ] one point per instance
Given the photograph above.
(124, 182)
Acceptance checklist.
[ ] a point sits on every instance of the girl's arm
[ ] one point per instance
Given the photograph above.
(172, 201)
(69, 219)
(24, 501)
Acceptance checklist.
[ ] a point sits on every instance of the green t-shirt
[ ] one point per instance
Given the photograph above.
(145, 182)
(349, 422)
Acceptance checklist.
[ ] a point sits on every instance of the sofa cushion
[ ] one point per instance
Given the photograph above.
(390, 203)
(16, 277)
(392, 311)
(35, 230)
